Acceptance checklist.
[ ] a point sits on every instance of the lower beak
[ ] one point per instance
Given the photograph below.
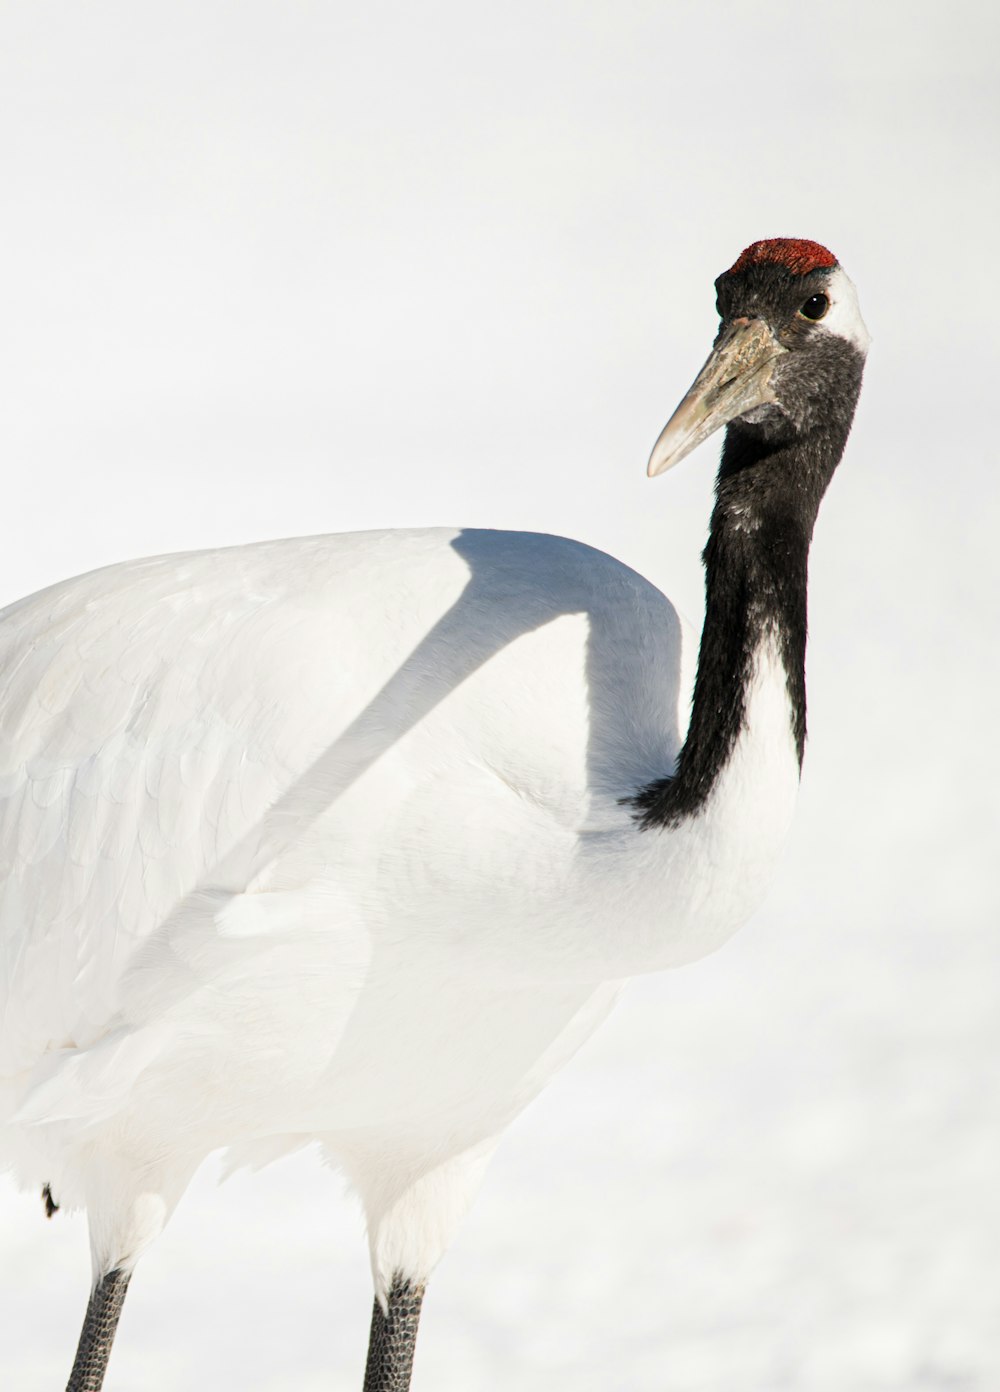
(736, 378)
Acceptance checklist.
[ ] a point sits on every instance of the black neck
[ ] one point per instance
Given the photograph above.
(756, 569)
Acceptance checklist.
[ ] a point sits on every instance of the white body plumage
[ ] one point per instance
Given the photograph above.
(323, 838)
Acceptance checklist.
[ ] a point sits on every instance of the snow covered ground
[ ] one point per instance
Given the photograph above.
(273, 269)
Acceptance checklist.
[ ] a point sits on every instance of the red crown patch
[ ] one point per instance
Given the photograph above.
(794, 253)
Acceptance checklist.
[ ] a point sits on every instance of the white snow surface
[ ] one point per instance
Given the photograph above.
(281, 269)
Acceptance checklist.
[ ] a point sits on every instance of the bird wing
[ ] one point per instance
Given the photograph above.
(171, 728)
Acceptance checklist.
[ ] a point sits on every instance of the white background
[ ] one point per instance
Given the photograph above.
(272, 268)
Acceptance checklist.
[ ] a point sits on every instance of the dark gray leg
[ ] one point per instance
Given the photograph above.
(98, 1331)
(393, 1339)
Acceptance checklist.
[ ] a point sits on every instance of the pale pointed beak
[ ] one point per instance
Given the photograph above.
(736, 378)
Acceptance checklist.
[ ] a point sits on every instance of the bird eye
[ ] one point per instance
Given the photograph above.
(815, 307)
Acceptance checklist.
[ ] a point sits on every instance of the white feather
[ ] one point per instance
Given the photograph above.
(324, 838)
(843, 318)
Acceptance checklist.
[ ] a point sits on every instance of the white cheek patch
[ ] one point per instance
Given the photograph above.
(843, 318)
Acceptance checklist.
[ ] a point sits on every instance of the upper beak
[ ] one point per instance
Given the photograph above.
(736, 378)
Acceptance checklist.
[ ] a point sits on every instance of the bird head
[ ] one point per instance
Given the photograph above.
(791, 341)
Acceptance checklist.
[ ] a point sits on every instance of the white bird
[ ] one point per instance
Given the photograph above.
(355, 838)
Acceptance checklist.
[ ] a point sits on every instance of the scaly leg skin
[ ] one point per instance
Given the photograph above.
(393, 1339)
(98, 1332)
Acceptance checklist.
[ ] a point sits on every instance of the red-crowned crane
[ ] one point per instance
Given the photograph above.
(354, 838)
